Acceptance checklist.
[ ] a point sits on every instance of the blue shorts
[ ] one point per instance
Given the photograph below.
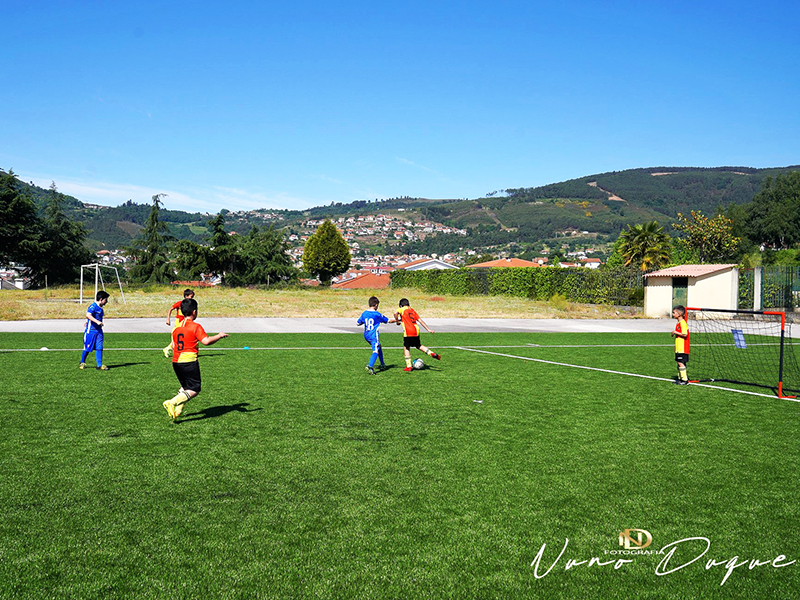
(375, 344)
(93, 340)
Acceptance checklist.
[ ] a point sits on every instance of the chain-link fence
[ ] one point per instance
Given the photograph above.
(780, 288)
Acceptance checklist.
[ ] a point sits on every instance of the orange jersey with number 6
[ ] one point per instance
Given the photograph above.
(184, 341)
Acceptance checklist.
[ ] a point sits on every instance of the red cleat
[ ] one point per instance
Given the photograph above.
(408, 369)
(436, 356)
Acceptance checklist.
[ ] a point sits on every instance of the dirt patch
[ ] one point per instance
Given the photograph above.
(611, 195)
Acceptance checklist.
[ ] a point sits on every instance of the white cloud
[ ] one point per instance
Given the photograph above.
(210, 200)
(235, 198)
(411, 163)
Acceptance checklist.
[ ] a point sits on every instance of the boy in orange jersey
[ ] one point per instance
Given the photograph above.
(681, 335)
(178, 316)
(409, 318)
(185, 338)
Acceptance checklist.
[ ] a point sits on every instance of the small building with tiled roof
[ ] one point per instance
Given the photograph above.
(699, 286)
(591, 263)
(366, 281)
(504, 262)
(422, 264)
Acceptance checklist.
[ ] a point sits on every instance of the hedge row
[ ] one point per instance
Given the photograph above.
(621, 286)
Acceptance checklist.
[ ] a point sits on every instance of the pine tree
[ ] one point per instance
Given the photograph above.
(150, 249)
(63, 251)
(221, 255)
(20, 226)
(262, 258)
(326, 254)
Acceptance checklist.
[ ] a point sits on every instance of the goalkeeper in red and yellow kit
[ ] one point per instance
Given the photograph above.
(411, 322)
(185, 338)
(681, 335)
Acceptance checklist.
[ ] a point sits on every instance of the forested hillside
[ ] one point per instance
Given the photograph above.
(601, 204)
(668, 190)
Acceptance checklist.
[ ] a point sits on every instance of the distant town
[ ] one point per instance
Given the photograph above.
(366, 269)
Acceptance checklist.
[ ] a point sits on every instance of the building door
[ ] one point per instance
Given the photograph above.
(680, 291)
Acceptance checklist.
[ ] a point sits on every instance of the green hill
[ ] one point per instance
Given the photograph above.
(602, 204)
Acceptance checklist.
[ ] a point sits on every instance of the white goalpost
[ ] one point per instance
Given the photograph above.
(98, 279)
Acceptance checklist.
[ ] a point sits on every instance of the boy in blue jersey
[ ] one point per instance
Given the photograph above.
(371, 319)
(93, 332)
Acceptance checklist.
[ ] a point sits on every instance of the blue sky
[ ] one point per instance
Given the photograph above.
(250, 104)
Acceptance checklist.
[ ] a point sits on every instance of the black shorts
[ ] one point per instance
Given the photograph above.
(682, 357)
(188, 374)
(411, 342)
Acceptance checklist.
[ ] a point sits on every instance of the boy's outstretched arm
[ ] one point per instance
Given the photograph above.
(428, 329)
(169, 314)
(208, 340)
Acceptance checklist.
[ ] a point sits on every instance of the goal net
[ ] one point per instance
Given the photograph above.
(98, 280)
(746, 347)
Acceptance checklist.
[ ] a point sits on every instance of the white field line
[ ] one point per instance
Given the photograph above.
(560, 364)
(468, 349)
(667, 345)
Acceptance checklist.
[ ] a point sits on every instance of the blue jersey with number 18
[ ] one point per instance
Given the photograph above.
(371, 320)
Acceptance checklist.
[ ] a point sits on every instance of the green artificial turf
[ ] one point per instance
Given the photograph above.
(297, 474)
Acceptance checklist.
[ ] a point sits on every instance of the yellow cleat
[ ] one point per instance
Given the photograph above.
(170, 409)
(103, 368)
(82, 366)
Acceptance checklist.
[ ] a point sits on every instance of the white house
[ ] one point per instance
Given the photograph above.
(699, 286)
(426, 263)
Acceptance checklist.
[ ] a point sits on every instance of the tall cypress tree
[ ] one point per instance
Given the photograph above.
(326, 254)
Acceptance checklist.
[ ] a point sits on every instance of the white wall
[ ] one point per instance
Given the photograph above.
(658, 297)
(718, 290)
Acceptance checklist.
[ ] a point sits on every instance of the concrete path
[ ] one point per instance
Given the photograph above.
(299, 325)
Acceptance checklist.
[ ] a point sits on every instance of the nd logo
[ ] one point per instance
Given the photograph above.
(635, 539)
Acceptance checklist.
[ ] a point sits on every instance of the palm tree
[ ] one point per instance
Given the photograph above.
(646, 245)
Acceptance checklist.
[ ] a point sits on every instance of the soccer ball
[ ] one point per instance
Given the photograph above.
(418, 364)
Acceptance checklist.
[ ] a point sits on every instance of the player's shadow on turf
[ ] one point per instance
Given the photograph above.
(218, 411)
(133, 364)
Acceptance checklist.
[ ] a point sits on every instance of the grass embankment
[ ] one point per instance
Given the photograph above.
(154, 301)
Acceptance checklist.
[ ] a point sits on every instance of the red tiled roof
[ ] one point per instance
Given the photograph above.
(505, 262)
(367, 280)
(193, 283)
(689, 270)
